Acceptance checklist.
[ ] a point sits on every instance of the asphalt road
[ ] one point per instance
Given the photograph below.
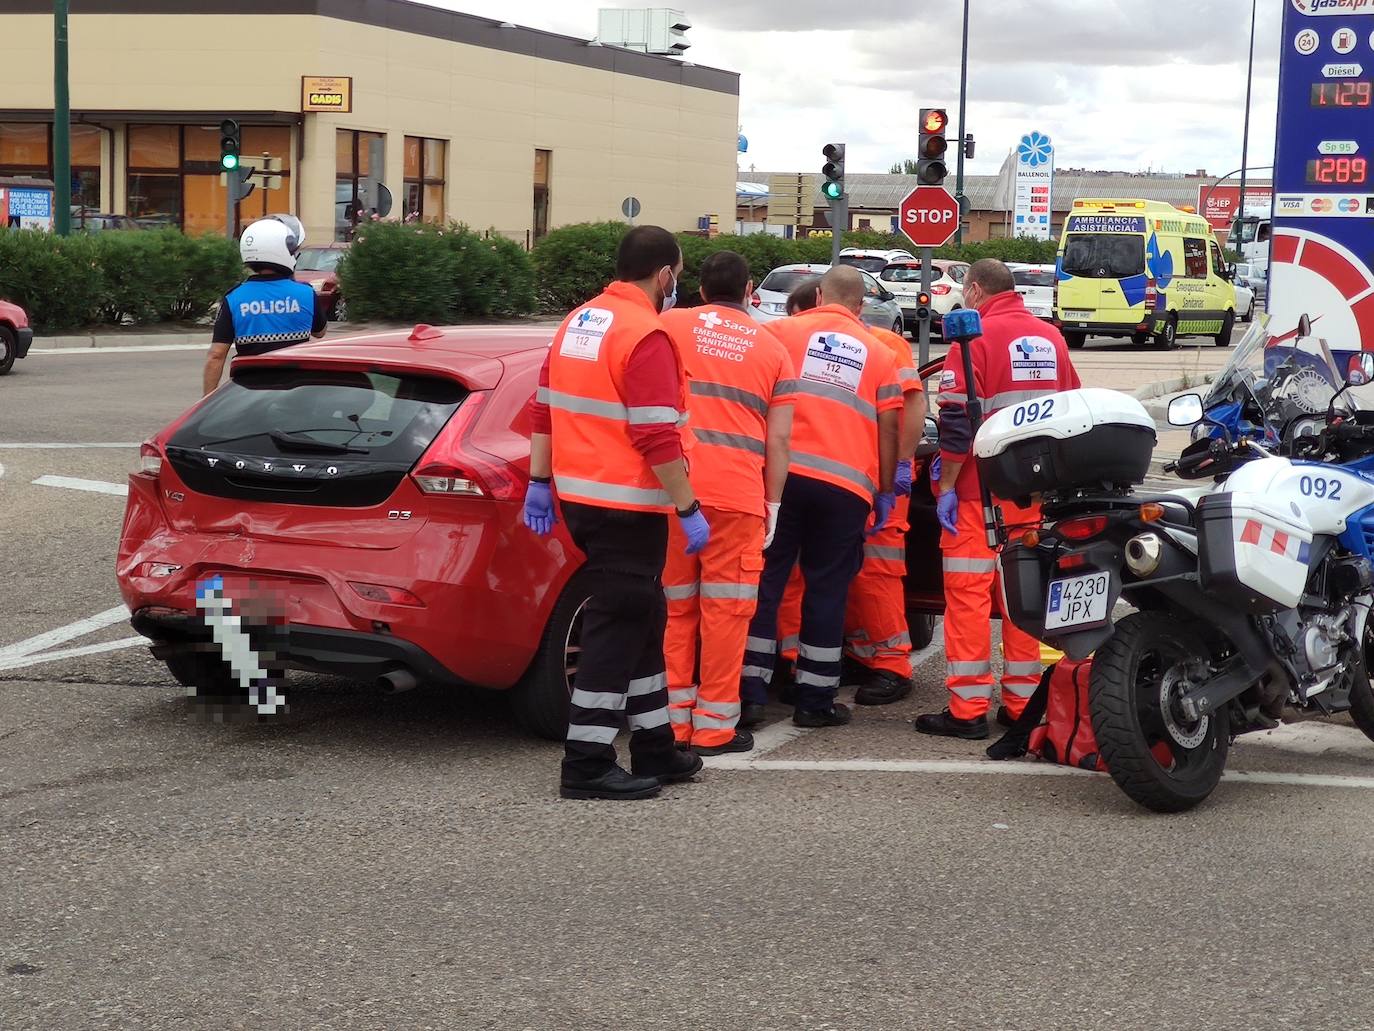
(402, 861)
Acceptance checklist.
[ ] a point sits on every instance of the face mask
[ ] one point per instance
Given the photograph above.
(669, 299)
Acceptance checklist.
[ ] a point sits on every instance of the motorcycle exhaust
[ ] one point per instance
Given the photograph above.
(1142, 553)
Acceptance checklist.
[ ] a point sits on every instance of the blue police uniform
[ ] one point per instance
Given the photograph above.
(268, 312)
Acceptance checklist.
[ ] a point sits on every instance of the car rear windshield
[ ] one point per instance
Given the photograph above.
(368, 427)
(319, 259)
(1104, 255)
(906, 274)
(1033, 278)
(874, 265)
(785, 282)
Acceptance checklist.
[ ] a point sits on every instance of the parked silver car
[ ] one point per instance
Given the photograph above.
(770, 299)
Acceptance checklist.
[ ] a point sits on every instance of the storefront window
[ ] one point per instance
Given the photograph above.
(26, 150)
(425, 172)
(174, 175)
(543, 159)
(355, 189)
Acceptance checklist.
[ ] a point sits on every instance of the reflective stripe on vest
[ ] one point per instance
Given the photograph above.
(750, 400)
(828, 465)
(572, 487)
(738, 441)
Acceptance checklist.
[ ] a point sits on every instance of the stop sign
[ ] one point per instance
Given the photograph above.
(928, 215)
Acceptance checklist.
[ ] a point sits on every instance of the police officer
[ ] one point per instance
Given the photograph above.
(1018, 358)
(270, 309)
(605, 433)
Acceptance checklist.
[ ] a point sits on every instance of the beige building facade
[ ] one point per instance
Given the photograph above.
(460, 118)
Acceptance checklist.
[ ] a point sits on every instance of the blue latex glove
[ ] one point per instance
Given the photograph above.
(935, 467)
(947, 511)
(901, 483)
(883, 504)
(698, 532)
(539, 515)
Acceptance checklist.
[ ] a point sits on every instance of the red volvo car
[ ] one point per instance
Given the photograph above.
(371, 488)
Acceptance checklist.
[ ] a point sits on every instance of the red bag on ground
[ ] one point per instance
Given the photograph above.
(1066, 736)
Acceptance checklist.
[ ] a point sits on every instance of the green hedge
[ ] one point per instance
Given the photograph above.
(115, 278)
(574, 263)
(440, 274)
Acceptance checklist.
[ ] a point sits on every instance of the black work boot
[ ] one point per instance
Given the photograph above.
(743, 741)
(944, 724)
(882, 687)
(615, 784)
(752, 714)
(1004, 718)
(669, 769)
(835, 716)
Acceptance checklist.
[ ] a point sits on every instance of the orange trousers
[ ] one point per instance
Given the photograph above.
(970, 571)
(875, 630)
(711, 599)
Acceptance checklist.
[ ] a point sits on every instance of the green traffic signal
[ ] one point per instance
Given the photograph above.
(832, 190)
(229, 161)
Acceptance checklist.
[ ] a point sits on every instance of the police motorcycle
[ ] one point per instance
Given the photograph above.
(1251, 594)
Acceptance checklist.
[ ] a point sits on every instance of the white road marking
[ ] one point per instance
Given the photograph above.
(1311, 737)
(58, 447)
(73, 483)
(62, 634)
(2, 470)
(62, 352)
(1007, 769)
(22, 661)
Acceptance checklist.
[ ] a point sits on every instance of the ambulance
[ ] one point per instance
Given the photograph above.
(1141, 269)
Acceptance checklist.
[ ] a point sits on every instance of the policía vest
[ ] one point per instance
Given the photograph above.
(735, 371)
(271, 313)
(843, 376)
(594, 460)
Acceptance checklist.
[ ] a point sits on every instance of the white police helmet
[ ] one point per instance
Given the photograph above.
(296, 227)
(269, 241)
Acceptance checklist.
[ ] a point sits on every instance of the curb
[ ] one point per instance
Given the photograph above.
(89, 340)
(1170, 386)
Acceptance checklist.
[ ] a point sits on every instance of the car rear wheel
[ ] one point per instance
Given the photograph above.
(339, 311)
(898, 327)
(9, 347)
(540, 699)
(1075, 340)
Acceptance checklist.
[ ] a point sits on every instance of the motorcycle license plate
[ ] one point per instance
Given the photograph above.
(1077, 601)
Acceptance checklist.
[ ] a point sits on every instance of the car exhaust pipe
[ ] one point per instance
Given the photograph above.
(397, 680)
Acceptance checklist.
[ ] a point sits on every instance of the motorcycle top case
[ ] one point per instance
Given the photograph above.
(1075, 438)
(1253, 551)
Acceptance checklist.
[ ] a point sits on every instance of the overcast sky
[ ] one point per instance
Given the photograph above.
(1117, 84)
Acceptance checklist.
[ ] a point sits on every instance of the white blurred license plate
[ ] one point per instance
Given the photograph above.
(1077, 600)
(1077, 315)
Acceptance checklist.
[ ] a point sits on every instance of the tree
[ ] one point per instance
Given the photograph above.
(907, 166)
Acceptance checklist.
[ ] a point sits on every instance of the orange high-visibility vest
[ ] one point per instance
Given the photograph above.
(736, 369)
(594, 460)
(907, 375)
(845, 377)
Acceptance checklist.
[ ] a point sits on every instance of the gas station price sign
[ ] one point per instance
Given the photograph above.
(1321, 257)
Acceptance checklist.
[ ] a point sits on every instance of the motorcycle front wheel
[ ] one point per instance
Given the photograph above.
(1162, 760)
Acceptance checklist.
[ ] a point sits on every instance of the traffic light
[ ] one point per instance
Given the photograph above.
(833, 170)
(230, 141)
(930, 151)
(923, 306)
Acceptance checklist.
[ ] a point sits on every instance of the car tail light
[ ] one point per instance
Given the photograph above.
(1151, 296)
(754, 300)
(940, 289)
(1082, 528)
(465, 470)
(385, 595)
(149, 459)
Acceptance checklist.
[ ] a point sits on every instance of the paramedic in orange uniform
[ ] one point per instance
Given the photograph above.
(1018, 358)
(740, 381)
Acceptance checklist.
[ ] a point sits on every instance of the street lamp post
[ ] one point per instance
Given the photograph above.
(963, 131)
(61, 123)
(1245, 132)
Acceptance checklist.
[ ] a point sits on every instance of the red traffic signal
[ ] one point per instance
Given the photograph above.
(934, 119)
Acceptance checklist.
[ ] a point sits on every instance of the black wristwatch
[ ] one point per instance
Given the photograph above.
(541, 479)
(689, 511)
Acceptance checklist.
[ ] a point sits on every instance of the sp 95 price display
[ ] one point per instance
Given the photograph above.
(1342, 171)
(1342, 94)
